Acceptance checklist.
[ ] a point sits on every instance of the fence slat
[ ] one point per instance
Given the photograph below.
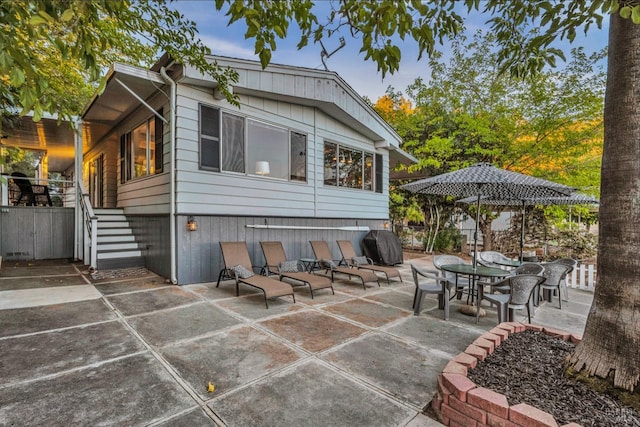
(582, 277)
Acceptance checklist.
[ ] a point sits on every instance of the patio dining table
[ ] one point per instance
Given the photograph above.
(475, 273)
(514, 263)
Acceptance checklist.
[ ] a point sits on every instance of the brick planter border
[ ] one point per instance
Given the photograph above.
(460, 402)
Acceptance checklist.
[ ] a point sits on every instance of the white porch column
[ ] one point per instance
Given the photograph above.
(78, 247)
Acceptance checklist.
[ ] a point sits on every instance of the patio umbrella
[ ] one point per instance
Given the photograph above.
(572, 199)
(485, 180)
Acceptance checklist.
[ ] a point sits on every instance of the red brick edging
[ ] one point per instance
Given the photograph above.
(459, 402)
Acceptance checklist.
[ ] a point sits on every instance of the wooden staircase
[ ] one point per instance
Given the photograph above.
(117, 246)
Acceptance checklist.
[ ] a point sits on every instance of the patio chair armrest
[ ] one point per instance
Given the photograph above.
(501, 283)
(429, 273)
(270, 269)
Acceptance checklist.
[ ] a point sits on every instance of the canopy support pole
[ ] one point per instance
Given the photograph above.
(475, 234)
(524, 212)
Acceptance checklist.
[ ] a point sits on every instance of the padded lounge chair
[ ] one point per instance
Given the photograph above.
(362, 262)
(323, 255)
(277, 263)
(237, 266)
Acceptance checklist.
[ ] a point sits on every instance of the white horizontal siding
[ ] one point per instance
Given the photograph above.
(145, 195)
(223, 193)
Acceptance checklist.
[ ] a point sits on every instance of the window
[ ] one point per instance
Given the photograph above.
(378, 172)
(141, 150)
(349, 167)
(249, 146)
(298, 157)
(330, 163)
(232, 143)
(267, 143)
(209, 138)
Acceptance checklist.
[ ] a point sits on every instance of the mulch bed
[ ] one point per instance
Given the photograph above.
(528, 368)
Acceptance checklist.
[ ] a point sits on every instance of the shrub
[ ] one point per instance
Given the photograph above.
(448, 240)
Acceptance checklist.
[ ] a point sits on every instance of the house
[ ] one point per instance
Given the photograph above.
(302, 157)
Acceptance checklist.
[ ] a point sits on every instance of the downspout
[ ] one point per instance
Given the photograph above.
(77, 174)
(172, 140)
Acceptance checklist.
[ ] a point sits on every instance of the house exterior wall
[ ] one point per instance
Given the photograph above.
(199, 258)
(149, 194)
(152, 235)
(109, 148)
(223, 193)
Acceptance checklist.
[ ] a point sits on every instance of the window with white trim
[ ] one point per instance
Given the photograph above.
(141, 150)
(350, 167)
(233, 143)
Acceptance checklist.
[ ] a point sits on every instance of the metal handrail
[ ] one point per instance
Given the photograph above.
(90, 228)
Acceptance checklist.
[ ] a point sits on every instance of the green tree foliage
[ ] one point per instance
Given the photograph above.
(549, 125)
(53, 53)
(82, 31)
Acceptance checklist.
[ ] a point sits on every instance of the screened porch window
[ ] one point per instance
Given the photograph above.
(232, 143)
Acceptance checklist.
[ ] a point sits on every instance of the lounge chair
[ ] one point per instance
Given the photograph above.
(237, 266)
(324, 257)
(30, 195)
(276, 263)
(362, 262)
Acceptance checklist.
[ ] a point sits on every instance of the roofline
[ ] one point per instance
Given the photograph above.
(324, 73)
(131, 70)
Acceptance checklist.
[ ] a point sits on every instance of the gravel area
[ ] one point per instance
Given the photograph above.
(528, 368)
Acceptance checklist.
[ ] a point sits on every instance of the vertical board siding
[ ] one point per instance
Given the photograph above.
(32, 233)
(153, 237)
(200, 260)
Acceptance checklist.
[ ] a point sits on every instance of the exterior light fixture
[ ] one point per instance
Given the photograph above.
(386, 225)
(262, 168)
(192, 225)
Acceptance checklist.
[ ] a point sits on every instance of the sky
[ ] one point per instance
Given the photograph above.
(348, 62)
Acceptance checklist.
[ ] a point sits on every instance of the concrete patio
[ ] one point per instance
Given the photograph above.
(134, 350)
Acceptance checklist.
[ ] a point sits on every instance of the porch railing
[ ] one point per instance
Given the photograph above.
(29, 191)
(90, 228)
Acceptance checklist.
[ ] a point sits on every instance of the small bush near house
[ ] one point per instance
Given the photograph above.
(448, 240)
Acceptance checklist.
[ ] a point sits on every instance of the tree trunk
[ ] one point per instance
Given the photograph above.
(611, 342)
(485, 229)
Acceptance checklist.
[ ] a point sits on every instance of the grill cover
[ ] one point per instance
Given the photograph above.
(383, 247)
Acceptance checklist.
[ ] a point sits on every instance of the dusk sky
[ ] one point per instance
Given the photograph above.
(361, 75)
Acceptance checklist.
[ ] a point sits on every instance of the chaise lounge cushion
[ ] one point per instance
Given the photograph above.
(288, 267)
(242, 271)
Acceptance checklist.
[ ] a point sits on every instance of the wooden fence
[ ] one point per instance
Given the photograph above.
(583, 277)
